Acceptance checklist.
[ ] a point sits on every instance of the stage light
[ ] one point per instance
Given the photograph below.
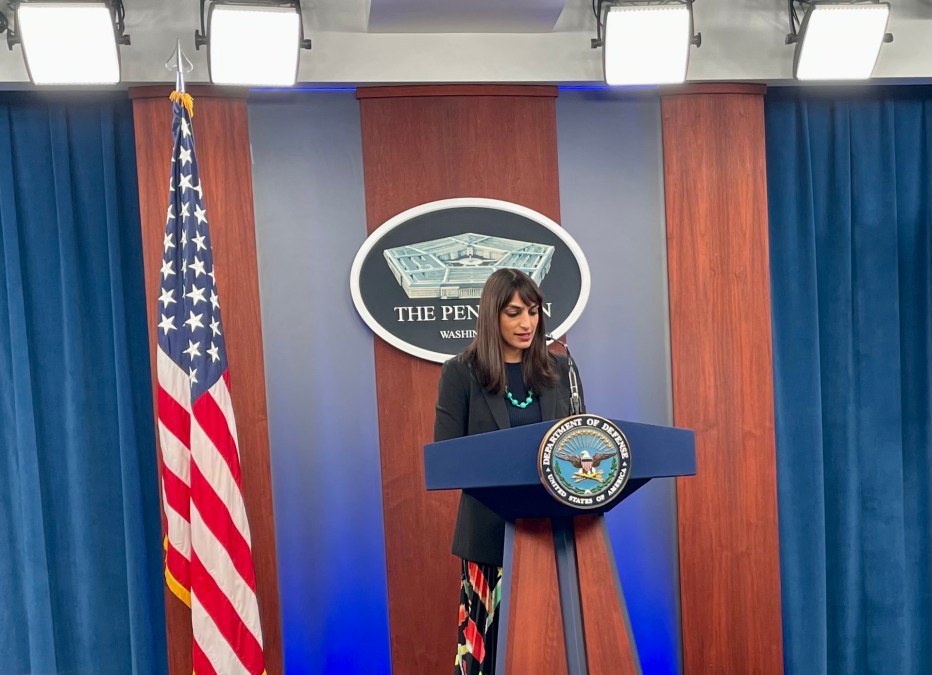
(253, 43)
(645, 43)
(69, 42)
(837, 41)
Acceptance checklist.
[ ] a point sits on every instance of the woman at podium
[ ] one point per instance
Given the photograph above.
(505, 378)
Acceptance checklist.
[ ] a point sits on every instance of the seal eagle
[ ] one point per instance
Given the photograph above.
(584, 460)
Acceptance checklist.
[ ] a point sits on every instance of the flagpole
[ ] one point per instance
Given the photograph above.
(179, 79)
(180, 64)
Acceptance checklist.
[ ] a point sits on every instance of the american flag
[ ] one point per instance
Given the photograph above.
(208, 557)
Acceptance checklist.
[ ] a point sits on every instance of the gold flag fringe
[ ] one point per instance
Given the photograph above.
(185, 99)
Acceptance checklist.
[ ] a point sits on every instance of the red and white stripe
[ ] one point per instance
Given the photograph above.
(174, 418)
(209, 549)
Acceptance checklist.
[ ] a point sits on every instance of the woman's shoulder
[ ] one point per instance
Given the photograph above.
(560, 362)
(458, 366)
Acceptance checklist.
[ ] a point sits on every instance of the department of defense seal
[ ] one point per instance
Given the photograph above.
(584, 461)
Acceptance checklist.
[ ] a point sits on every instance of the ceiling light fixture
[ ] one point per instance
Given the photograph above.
(252, 43)
(68, 42)
(645, 43)
(837, 40)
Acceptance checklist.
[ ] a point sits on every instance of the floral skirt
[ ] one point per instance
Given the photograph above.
(480, 593)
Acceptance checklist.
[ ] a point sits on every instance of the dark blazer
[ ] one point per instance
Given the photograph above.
(464, 408)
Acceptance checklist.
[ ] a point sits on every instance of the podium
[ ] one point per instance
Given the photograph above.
(562, 608)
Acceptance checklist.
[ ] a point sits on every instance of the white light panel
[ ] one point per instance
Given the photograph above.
(254, 45)
(71, 43)
(841, 42)
(646, 44)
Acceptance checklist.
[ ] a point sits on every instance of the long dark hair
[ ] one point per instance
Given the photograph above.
(484, 353)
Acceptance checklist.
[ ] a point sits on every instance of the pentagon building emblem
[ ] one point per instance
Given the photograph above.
(417, 278)
(584, 461)
(458, 266)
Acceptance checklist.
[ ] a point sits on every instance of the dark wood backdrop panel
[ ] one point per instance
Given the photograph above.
(222, 137)
(610, 644)
(716, 208)
(421, 144)
(536, 642)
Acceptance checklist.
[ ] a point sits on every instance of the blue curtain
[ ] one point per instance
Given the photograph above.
(80, 580)
(849, 197)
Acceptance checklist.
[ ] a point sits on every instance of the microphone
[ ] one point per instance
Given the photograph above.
(577, 405)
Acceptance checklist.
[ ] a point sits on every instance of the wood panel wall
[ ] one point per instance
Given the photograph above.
(421, 144)
(716, 209)
(536, 642)
(222, 137)
(610, 645)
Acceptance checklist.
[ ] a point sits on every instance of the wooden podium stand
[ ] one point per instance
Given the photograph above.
(562, 610)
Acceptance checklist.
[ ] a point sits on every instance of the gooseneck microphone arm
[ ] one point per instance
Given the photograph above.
(577, 405)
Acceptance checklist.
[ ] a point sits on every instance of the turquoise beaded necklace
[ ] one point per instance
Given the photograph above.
(522, 404)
